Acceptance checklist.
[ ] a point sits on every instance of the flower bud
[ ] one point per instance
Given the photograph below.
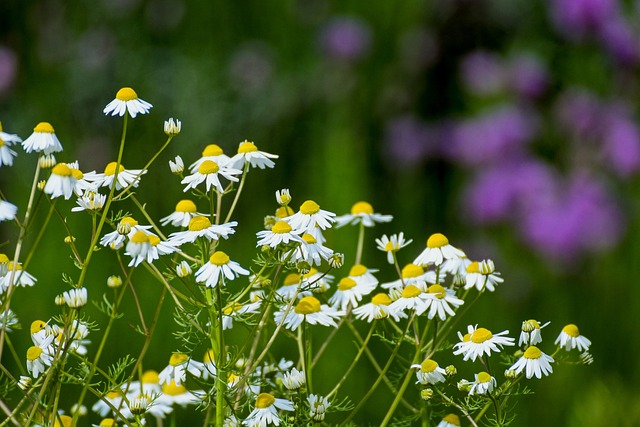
(114, 282)
(336, 260)
(176, 165)
(450, 370)
(283, 197)
(183, 269)
(47, 161)
(171, 127)
(426, 394)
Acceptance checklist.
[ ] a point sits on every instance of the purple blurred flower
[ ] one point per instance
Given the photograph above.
(346, 38)
(528, 75)
(8, 68)
(618, 38)
(576, 19)
(409, 141)
(578, 112)
(621, 144)
(482, 73)
(492, 136)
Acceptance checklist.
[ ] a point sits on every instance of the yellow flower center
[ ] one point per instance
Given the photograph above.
(346, 283)
(126, 94)
(66, 421)
(308, 305)
(281, 227)
(411, 270)
(530, 325)
(208, 167)
(1, 141)
(219, 258)
(484, 377)
(61, 169)
(474, 267)
(234, 307)
(186, 206)
(389, 246)
(212, 150)
(264, 400)
(43, 127)
(437, 290)
(199, 223)
(150, 377)
(173, 390)
(357, 270)
(309, 207)
(292, 279)
(11, 266)
(4, 259)
(437, 240)
(411, 292)
(113, 394)
(37, 326)
(381, 299)
(33, 353)
(466, 338)
(428, 366)
(361, 208)
(108, 422)
(309, 238)
(284, 211)
(247, 147)
(127, 220)
(178, 359)
(209, 357)
(532, 352)
(77, 174)
(452, 419)
(153, 240)
(481, 335)
(571, 330)
(110, 170)
(312, 272)
(140, 237)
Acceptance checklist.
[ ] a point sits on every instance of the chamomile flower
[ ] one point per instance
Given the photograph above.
(362, 213)
(451, 420)
(378, 308)
(308, 310)
(309, 216)
(293, 379)
(429, 372)
(172, 127)
(17, 276)
(412, 298)
(138, 244)
(177, 394)
(249, 153)
(392, 244)
(482, 275)
(235, 310)
(441, 301)
(126, 177)
(533, 362)
(149, 384)
(364, 276)
(290, 285)
(183, 269)
(480, 341)
(570, 338)
(438, 249)
(483, 384)
(176, 370)
(219, 268)
(316, 282)
(531, 332)
(8, 211)
(127, 101)
(209, 172)
(61, 182)
(211, 152)
(156, 248)
(40, 357)
(281, 232)
(127, 226)
(8, 320)
(43, 139)
(75, 298)
(9, 138)
(39, 331)
(77, 334)
(102, 408)
(349, 292)
(6, 153)
(310, 251)
(90, 200)
(283, 197)
(266, 411)
(200, 226)
(82, 181)
(183, 212)
(411, 274)
(176, 165)
(317, 407)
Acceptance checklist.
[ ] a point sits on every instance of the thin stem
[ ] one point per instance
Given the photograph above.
(235, 199)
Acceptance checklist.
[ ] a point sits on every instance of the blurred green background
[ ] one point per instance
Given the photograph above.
(510, 126)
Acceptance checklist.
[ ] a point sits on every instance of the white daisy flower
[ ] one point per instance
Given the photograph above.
(19, 278)
(176, 165)
(90, 200)
(364, 276)
(441, 302)
(266, 411)
(208, 172)
(308, 310)
(217, 269)
(310, 251)
(114, 397)
(349, 292)
(6, 153)
(149, 384)
(157, 247)
(83, 181)
(237, 309)
(77, 334)
(174, 394)
(482, 275)
(61, 182)
(176, 370)
(8, 211)
(530, 333)
(289, 288)
(75, 298)
(138, 245)
(40, 356)
(43, 139)
(126, 227)
(480, 341)
(309, 216)
(249, 153)
(438, 249)
(9, 138)
(317, 407)
(456, 266)
(429, 372)
(451, 420)
(293, 379)
(184, 211)
(126, 177)
(412, 298)
(200, 226)
(392, 244)
(127, 101)
(378, 308)
(281, 232)
(533, 362)
(411, 274)
(362, 213)
(39, 331)
(211, 152)
(183, 269)
(483, 384)
(283, 197)
(316, 282)
(172, 127)
(570, 338)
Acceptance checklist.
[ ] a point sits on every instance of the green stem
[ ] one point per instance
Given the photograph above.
(235, 199)
(360, 244)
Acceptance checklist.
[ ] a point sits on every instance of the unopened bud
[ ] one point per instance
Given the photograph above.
(47, 161)
(450, 370)
(41, 185)
(172, 128)
(59, 300)
(336, 260)
(183, 269)
(69, 239)
(511, 374)
(114, 282)
(426, 394)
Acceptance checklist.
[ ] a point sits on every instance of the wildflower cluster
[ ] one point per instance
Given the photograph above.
(231, 311)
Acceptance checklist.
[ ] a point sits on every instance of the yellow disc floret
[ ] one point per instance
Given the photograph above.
(150, 377)
(484, 377)
(346, 283)
(437, 290)
(247, 147)
(77, 174)
(62, 169)
(308, 305)
(140, 237)
(428, 365)
(452, 419)
(309, 238)
(381, 299)
(264, 400)
(357, 270)
(178, 359)
(309, 208)
(362, 208)
(37, 326)
(474, 267)
(173, 390)
(281, 227)
(126, 94)
(571, 330)
(411, 292)
(4, 259)
(532, 352)
(110, 169)
(209, 356)
(33, 353)
(437, 240)
(43, 127)
(219, 258)
(411, 270)
(199, 223)
(292, 279)
(481, 335)
(284, 211)
(186, 206)
(208, 167)
(108, 422)
(212, 150)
